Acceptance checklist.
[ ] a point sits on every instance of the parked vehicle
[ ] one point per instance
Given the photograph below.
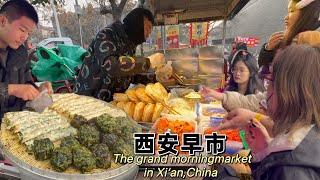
(50, 43)
(54, 41)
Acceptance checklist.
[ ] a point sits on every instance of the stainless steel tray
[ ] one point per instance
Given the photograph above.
(28, 171)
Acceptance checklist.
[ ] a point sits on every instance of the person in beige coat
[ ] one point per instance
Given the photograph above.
(297, 11)
(233, 100)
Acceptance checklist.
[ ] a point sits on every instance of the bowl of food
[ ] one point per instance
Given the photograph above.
(234, 141)
(193, 97)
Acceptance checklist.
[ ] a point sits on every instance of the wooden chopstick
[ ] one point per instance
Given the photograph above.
(165, 105)
(168, 107)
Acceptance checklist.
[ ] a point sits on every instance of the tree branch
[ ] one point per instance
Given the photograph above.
(45, 2)
(122, 4)
(105, 10)
(113, 4)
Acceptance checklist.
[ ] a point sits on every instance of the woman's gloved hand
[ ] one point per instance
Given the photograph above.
(156, 60)
(164, 73)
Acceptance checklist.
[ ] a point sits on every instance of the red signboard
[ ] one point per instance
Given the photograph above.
(172, 37)
(199, 33)
(251, 42)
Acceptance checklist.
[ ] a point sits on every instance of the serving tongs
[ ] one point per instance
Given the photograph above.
(178, 78)
(165, 105)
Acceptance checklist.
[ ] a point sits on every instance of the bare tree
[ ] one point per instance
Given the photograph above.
(36, 36)
(91, 23)
(115, 7)
(90, 20)
(47, 2)
(39, 2)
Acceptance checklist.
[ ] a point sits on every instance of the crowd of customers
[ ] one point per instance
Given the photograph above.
(281, 124)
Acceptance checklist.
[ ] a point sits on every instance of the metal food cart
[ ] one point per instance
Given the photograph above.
(206, 62)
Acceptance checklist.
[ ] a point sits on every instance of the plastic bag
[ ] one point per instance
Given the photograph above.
(164, 73)
(41, 102)
(57, 63)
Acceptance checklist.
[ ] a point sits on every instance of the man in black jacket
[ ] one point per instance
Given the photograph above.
(109, 66)
(17, 19)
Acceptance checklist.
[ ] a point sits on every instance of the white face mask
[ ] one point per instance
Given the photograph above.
(264, 104)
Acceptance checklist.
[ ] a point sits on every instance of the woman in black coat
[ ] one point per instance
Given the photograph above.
(302, 16)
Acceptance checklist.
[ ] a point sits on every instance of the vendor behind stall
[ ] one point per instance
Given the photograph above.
(244, 78)
(17, 20)
(109, 66)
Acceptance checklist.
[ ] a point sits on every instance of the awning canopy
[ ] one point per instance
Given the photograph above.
(186, 11)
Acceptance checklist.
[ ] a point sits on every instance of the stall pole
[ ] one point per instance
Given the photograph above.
(55, 17)
(224, 33)
(164, 37)
(224, 76)
(80, 28)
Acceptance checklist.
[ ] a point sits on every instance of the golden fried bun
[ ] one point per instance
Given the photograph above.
(243, 153)
(120, 97)
(113, 103)
(239, 168)
(148, 112)
(138, 111)
(156, 112)
(121, 104)
(153, 92)
(129, 108)
(141, 94)
(132, 95)
(160, 87)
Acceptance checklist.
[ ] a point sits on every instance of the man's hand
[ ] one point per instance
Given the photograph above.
(156, 60)
(275, 40)
(23, 91)
(46, 85)
(236, 118)
(164, 73)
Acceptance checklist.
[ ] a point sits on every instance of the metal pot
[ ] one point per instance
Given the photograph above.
(175, 86)
(193, 83)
